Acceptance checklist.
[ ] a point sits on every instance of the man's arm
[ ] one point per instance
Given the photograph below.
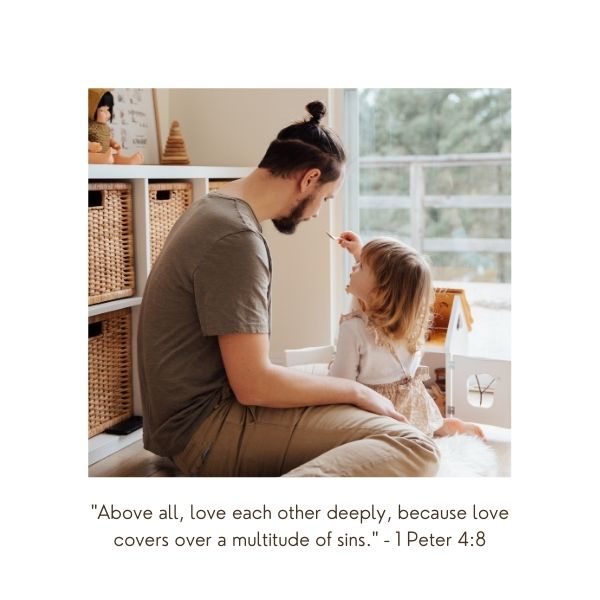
(255, 381)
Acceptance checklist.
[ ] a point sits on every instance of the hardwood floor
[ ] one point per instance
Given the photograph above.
(133, 461)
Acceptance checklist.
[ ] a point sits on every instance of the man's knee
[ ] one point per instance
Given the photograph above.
(430, 457)
(424, 453)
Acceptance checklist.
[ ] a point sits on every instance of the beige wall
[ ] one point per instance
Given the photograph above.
(233, 127)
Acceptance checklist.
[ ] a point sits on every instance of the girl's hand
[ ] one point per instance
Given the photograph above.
(94, 147)
(351, 242)
(115, 145)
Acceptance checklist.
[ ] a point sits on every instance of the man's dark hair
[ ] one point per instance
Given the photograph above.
(306, 145)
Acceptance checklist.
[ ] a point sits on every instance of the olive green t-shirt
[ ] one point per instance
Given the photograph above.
(212, 277)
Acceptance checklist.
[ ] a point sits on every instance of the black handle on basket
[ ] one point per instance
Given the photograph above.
(163, 194)
(95, 198)
(94, 329)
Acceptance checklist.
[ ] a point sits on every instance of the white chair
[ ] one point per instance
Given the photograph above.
(308, 356)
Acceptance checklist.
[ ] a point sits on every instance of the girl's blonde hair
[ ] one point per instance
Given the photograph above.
(402, 301)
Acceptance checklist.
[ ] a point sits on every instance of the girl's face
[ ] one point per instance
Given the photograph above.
(103, 114)
(362, 282)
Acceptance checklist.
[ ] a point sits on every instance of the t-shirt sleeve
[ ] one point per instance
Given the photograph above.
(347, 356)
(232, 286)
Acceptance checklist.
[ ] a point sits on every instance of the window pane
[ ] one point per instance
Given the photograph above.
(385, 222)
(385, 181)
(385, 203)
(472, 179)
(433, 121)
(490, 223)
(470, 266)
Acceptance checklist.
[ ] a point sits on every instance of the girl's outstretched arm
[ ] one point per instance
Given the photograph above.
(351, 242)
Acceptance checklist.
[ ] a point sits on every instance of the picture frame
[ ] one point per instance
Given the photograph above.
(135, 123)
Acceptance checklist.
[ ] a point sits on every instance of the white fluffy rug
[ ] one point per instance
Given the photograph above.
(466, 456)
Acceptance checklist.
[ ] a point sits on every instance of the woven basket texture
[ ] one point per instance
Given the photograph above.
(110, 399)
(110, 244)
(168, 201)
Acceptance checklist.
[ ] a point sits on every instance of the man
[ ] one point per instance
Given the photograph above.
(212, 399)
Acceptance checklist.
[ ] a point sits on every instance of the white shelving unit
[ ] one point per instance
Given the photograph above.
(140, 176)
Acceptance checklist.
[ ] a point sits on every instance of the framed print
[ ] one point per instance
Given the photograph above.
(135, 123)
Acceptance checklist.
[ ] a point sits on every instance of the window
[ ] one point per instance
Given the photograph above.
(434, 170)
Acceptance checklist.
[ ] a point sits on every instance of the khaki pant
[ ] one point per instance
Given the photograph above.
(318, 441)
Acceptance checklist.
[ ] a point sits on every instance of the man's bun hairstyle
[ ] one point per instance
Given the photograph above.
(317, 111)
(304, 145)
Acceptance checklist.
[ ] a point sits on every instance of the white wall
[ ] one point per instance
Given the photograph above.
(233, 127)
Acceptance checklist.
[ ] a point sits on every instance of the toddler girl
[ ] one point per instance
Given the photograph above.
(379, 342)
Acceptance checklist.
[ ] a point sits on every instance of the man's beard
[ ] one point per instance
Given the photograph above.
(288, 224)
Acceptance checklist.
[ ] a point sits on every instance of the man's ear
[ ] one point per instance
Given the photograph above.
(309, 179)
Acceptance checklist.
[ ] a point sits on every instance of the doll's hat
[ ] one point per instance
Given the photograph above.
(94, 96)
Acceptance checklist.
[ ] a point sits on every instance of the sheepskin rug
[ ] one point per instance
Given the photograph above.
(465, 455)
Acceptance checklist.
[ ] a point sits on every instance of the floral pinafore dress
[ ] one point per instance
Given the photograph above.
(409, 395)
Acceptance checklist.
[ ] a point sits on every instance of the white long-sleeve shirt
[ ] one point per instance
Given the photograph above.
(358, 357)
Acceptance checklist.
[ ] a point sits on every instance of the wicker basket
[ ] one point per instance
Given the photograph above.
(168, 201)
(217, 184)
(109, 370)
(110, 242)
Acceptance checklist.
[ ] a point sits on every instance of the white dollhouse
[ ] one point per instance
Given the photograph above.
(477, 389)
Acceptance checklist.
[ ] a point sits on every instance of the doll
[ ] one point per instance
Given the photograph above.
(100, 142)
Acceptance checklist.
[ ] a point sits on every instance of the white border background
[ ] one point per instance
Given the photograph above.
(546, 55)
